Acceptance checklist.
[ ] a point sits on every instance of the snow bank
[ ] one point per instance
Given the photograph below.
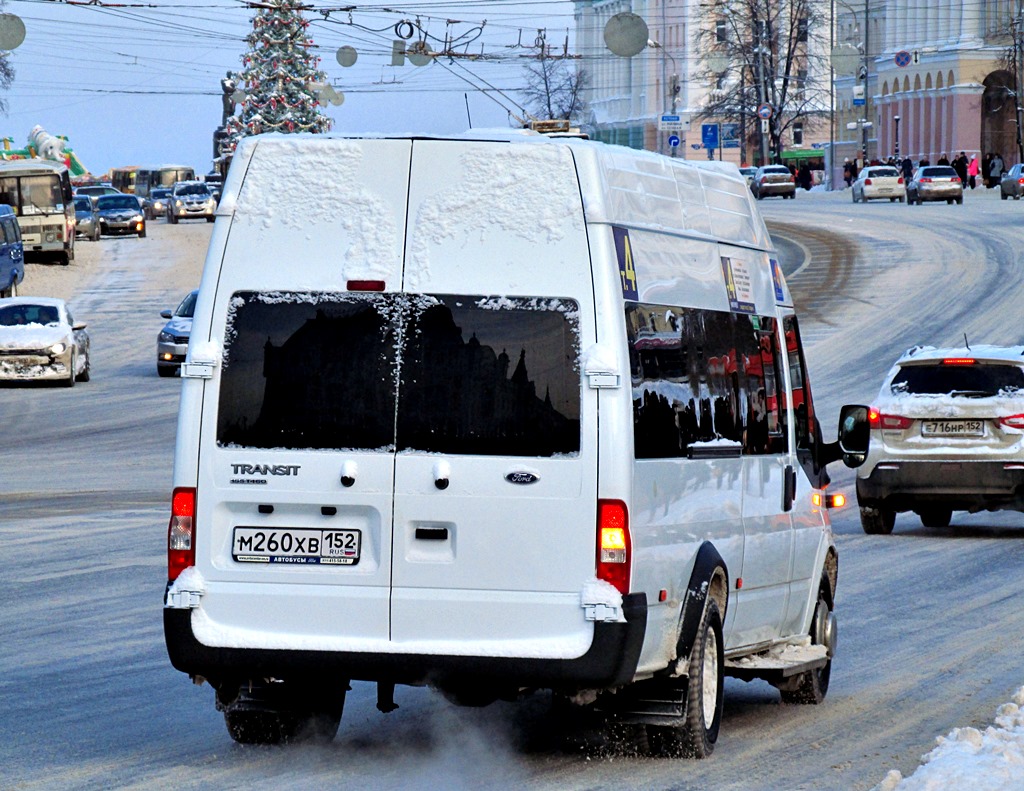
(989, 760)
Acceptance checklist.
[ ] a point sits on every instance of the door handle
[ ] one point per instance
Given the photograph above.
(788, 488)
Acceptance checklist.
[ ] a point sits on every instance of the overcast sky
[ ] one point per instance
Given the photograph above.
(139, 84)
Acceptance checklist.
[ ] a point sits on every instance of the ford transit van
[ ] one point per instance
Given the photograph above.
(494, 414)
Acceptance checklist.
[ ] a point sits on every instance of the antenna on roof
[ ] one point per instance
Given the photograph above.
(966, 344)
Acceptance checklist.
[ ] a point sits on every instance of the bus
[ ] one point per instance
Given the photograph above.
(124, 178)
(164, 176)
(39, 191)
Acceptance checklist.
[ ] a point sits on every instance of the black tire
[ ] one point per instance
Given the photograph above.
(96, 235)
(142, 234)
(877, 521)
(959, 200)
(64, 259)
(210, 219)
(949, 201)
(263, 714)
(853, 196)
(165, 371)
(697, 738)
(173, 219)
(1003, 195)
(936, 517)
(812, 686)
(86, 374)
(902, 198)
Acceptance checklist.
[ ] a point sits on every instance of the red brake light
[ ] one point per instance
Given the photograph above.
(792, 179)
(181, 547)
(925, 180)
(877, 419)
(614, 545)
(899, 180)
(959, 361)
(1013, 421)
(956, 179)
(867, 182)
(365, 285)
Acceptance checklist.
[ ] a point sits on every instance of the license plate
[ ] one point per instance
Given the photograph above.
(953, 428)
(296, 545)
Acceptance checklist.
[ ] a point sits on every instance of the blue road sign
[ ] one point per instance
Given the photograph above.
(730, 135)
(673, 141)
(902, 58)
(709, 135)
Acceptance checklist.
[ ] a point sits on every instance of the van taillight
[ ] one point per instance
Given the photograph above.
(365, 285)
(181, 547)
(613, 544)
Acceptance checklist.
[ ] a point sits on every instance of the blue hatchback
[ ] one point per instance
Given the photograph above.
(12, 254)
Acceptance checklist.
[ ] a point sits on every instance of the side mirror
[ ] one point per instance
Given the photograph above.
(165, 314)
(854, 434)
(80, 325)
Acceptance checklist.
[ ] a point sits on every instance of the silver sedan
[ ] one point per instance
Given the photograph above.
(41, 341)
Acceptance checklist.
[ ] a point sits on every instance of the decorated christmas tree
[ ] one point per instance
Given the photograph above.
(280, 77)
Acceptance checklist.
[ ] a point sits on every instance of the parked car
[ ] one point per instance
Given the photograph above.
(120, 215)
(172, 342)
(12, 252)
(946, 434)
(877, 182)
(748, 174)
(87, 222)
(1011, 185)
(156, 204)
(933, 183)
(94, 191)
(773, 180)
(190, 200)
(216, 183)
(40, 341)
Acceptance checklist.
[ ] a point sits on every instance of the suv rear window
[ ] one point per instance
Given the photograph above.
(977, 381)
(942, 172)
(434, 373)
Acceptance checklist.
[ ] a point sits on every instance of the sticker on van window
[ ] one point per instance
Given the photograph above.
(738, 285)
(624, 253)
(779, 280)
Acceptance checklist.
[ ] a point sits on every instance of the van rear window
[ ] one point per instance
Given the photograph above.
(433, 373)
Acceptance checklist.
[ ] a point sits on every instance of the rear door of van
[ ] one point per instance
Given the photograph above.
(496, 465)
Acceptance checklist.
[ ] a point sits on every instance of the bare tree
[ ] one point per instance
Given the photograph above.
(6, 71)
(554, 89)
(766, 52)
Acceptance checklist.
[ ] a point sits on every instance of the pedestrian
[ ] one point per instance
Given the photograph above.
(908, 168)
(847, 172)
(943, 160)
(995, 173)
(804, 176)
(986, 166)
(923, 161)
(972, 171)
(960, 166)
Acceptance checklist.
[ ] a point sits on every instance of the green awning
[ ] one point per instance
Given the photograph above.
(803, 153)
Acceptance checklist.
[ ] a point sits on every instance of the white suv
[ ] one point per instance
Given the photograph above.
(946, 434)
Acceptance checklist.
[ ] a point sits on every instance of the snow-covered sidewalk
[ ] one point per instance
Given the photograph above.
(989, 760)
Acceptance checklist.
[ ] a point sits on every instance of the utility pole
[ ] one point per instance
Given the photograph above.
(867, 98)
(762, 88)
(1018, 79)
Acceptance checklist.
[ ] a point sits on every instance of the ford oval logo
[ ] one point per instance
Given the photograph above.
(522, 477)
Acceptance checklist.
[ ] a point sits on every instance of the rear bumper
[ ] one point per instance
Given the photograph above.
(959, 485)
(610, 661)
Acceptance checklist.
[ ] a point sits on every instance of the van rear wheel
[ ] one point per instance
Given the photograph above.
(704, 699)
(282, 713)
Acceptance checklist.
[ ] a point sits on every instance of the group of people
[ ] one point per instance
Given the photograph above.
(967, 168)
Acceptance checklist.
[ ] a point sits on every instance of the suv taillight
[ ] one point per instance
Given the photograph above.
(888, 422)
(181, 546)
(614, 545)
(1013, 421)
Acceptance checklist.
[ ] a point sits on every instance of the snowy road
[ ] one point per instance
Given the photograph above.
(930, 623)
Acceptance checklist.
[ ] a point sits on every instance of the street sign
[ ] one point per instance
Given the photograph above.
(674, 123)
(764, 126)
(902, 58)
(673, 141)
(817, 146)
(709, 135)
(858, 95)
(695, 146)
(915, 56)
(730, 135)
(764, 111)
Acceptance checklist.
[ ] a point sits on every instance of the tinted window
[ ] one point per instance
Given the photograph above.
(883, 173)
(83, 204)
(466, 374)
(959, 380)
(117, 202)
(938, 172)
(192, 189)
(778, 169)
(700, 376)
(187, 308)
